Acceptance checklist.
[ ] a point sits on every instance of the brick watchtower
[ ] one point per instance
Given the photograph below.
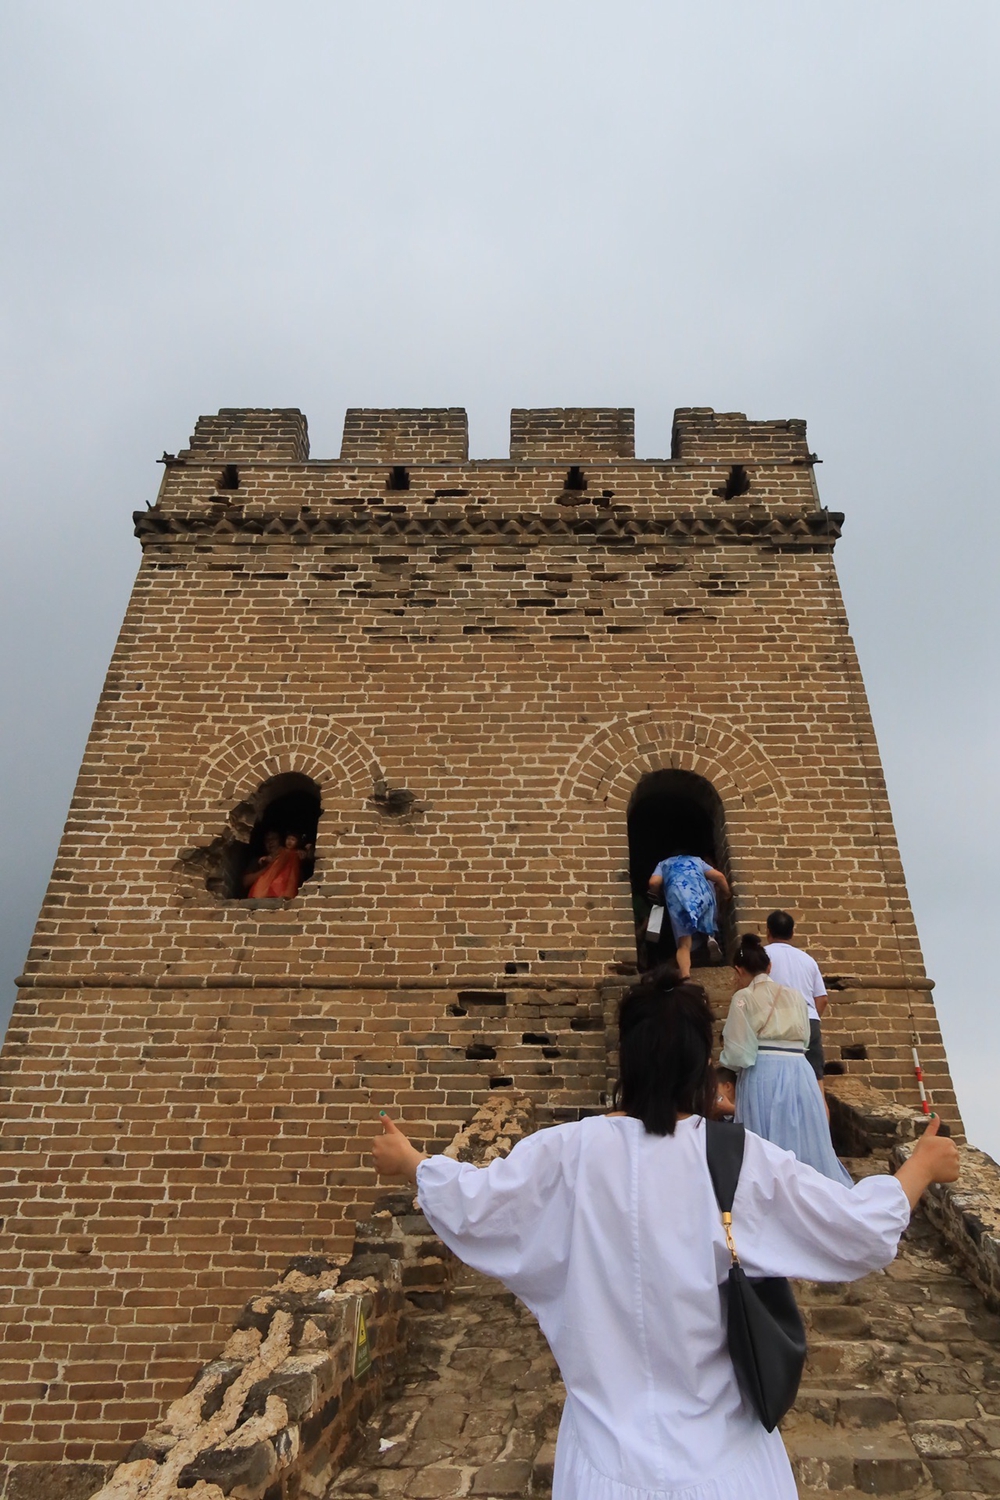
(489, 692)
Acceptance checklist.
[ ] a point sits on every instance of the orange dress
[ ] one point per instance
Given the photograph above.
(282, 877)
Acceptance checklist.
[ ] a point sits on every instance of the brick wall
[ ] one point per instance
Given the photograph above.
(700, 433)
(188, 1080)
(400, 436)
(275, 1413)
(572, 432)
(249, 433)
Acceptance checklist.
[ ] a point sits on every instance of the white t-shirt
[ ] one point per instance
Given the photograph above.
(800, 972)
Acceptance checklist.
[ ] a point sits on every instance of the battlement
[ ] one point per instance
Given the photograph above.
(440, 434)
(572, 432)
(402, 435)
(247, 433)
(701, 433)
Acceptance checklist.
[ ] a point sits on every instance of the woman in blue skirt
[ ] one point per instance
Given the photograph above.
(689, 888)
(764, 1041)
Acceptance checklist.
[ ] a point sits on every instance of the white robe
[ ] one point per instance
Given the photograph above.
(612, 1237)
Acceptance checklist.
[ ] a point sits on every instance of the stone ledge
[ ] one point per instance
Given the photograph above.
(141, 981)
(841, 982)
(967, 1214)
(798, 528)
(863, 1120)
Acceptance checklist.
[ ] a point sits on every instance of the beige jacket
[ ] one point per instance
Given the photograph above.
(763, 1012)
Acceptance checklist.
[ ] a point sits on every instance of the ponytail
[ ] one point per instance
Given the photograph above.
(751, 955)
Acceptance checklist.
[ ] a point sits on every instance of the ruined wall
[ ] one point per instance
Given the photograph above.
(510, 644)
(274, 1415)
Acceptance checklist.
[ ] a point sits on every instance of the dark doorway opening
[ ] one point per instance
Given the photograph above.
(673, 812)
(286, 806)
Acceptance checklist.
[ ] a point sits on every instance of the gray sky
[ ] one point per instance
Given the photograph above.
(789, 209)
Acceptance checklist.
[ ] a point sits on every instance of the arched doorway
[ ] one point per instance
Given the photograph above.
(287, 804)
(672, 812)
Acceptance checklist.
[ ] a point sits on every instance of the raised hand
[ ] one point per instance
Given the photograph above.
(392, 1152)
(933, 1159)
(936, 1153)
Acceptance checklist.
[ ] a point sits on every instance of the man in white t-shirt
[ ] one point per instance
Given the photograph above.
(789, 965)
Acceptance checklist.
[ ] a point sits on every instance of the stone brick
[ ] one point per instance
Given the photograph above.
(296, 1388)
(507, 1477)
(400, 436)
(54, 1481)
(572, 432)
(249, 1467)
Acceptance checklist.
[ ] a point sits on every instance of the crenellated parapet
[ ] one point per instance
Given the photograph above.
(538, 435)
(251, 434)
(701, 433)
(551, 433)
(246, 468)
(401, 435)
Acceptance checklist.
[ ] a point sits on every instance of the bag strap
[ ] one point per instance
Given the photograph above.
(770, 1013)
(724, 1146)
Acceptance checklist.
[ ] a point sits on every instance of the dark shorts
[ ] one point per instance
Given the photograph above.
(814, 1052)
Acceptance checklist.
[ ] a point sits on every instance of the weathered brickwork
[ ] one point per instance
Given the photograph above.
(275, 1414)
(474, 672)
(249, 434)
(399, 436)
(572, 432)
(700, 433)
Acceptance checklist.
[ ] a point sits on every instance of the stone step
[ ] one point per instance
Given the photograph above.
(836, 1363)
(846, 1406)
(901, 1394)
(542, 1469)
(881, 1461)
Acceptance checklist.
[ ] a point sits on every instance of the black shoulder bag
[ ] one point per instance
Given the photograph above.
(767, 1338)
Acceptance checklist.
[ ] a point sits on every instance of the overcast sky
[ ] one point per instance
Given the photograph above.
(784, 208)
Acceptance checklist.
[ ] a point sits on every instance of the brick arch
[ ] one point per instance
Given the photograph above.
(332, 754)
(606, 768)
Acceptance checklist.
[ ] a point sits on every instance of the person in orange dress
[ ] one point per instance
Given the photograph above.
(282, 875)
(272, 848)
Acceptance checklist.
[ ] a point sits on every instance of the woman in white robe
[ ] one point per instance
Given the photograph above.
(608, 1230)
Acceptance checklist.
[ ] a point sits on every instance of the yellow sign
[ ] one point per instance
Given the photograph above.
(362, 1349)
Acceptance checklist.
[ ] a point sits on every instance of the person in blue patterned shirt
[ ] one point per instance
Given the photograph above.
(690, 889)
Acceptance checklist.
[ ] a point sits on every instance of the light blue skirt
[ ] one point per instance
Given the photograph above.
(779, 1099)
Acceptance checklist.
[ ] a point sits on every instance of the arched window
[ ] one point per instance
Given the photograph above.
(673, 812)
(284, 809)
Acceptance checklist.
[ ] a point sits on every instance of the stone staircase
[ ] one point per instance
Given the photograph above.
(475, 1411)
(901, 1394)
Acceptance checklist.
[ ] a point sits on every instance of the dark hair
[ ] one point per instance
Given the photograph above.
(751, 955)
(665, 1051)
(781, 924)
